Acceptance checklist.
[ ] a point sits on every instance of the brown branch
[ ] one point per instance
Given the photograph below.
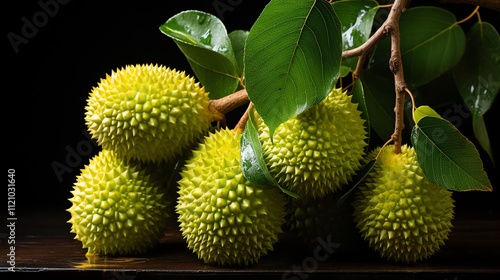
(356, 74)
(240, 126)
(368, 45)
(220, 107)
(489, 4)
(228, 103)
(389, 27)
(396, 67)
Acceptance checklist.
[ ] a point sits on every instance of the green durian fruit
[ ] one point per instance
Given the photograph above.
(319, 150)
(400, 213)
(117, 209)
(224, 218)
(165, 176)
(148, 112)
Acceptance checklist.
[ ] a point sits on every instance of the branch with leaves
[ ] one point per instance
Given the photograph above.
(294, 55)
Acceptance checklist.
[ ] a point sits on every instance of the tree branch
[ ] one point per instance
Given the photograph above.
(220, 107)
(240, 126)
(228, 103)
(368, 45)
(389, 27)
(396, 67)
(489, 4)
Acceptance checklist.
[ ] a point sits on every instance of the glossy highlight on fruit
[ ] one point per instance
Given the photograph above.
(147, 112)
(318, 151)
(116, 208)
(224, 218)
(400, 213)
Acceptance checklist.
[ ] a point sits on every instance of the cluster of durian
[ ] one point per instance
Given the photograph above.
(143, 117)
(150, 115)
(400, 213)
(146, 117)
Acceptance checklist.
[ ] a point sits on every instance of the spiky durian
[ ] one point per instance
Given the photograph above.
(224, 218)
(319, 150)
(117, 209)
(403, 215)
(165, 176)
(147, 112)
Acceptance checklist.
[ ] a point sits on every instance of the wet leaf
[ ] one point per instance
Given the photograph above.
(477, 77)
(204, 41)
(356, 19)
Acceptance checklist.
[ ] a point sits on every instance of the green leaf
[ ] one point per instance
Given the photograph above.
(379, 98)
(344, 71)
(358, 96)
(356, 19)
(204, 41)
(477, 76)
(292, 61)
(253, 165)
(481, 133)
(238, 38)
(447, 157)
(425, 111)
(431, 43)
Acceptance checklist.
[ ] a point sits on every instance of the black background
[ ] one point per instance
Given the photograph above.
(47, 81)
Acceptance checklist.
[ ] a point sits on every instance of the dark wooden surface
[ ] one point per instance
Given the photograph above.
(45, 247)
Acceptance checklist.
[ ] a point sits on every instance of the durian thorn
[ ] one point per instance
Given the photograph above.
(240, 126)
(228, 103)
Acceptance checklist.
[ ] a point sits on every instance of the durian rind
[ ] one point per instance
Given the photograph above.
(224, 218)
(400, 213)
(116, 209)
(319, 150)
(147, 112)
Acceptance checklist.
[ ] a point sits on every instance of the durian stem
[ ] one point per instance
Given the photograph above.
(240, 126)
(356, 74)
(389, 28)
(228, 103)
(396, 67)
